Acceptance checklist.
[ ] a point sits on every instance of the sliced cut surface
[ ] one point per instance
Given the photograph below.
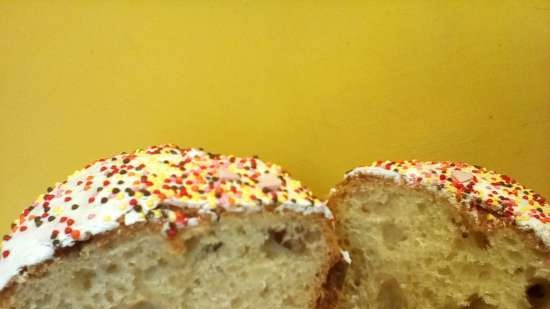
(261, 260)
(413, 249)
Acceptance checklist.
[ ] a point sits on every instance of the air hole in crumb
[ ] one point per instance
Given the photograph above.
(241, 230)
(296, 245)
(111, 268)
(538, 293)
(479, 238)
(444, 271)
(312, 236)
(213, 247)
(197, 282)
(244, 251)
(191, 243)
(476, 302)
(392, 234)
(289, 302)
(236, 302)
(272, 245)
(277, 235)
(162, 262)
(129, 254)
(428, 293)
(518, 270)
(390, 295)
(83, 278)
(277, 243)
(265, 291)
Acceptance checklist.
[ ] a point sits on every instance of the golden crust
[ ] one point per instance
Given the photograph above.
(331, 277)
(332, 287)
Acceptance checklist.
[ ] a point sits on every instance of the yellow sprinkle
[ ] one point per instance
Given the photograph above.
(57, 210)
(156, 213)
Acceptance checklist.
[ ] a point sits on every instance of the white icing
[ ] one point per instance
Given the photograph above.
(374, 171)
(542, 230)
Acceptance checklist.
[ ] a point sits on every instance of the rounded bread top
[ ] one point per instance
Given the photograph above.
(161, 182)
(472, 186)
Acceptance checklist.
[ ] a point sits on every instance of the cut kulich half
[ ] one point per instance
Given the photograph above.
(172, 228)
(441, 235)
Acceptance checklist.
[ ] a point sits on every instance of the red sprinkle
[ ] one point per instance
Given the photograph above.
(181, 218)
(171, 233)
(75, 234)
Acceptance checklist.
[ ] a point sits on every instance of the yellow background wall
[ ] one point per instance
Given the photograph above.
(318, 87)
